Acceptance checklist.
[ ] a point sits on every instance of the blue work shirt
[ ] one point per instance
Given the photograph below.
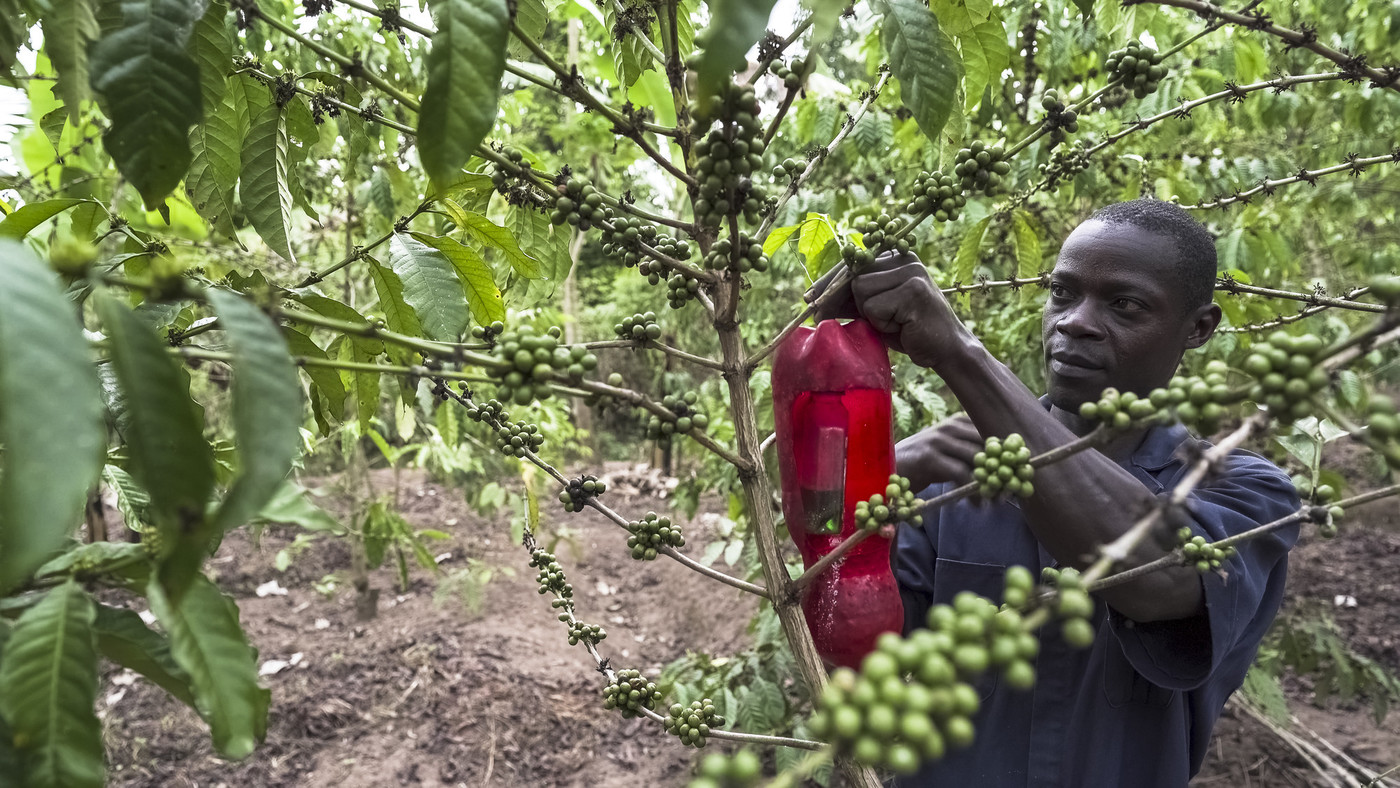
(1135, 709)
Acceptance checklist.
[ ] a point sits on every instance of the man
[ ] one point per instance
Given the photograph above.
(1129, 294)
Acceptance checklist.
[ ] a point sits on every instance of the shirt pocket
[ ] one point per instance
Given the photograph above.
(988, 580)
(1124, 686)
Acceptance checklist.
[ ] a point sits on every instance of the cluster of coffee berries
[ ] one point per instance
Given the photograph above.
(680, 290)
(1286, 373)
(938, 194)
(1073, 605)
(743, 770)
(1206, 557)
(629, 692)
(981, 167)
(488, 333)
(748, 251)
(728, 156)
(898, 504)
(650, 534)
(791, 74)
(624, 237)
(855, 257)
(639, 327)
(1136, 65)
(532, 360)
(693, 723)
(1383, 425)
(1200, 401)
(578, 491)
(551, 579)
(911, 699)
(1065, 162)
(518, 439)
(1058, 118)
(154, 544)
(490, 411)
(512, 167)
(789, 168)
(687, 417)
(1322, 497)
(1003, 465)
(1117, 410)
(580, 632)
(579, 204)
(881, 234)
(1387, 289)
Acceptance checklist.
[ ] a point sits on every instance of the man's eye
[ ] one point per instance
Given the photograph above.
(1127, 305)
(1058, 291)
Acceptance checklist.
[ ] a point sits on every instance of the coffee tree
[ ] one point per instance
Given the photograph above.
(365, 209)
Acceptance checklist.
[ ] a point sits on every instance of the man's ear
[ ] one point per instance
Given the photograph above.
(1203, 321)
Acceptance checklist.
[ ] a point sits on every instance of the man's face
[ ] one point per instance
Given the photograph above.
(1116, 314)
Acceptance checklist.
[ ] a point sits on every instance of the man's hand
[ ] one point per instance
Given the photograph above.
(941, 453)
(897, 297)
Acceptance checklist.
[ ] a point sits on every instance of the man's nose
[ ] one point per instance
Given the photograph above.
(1079, 321)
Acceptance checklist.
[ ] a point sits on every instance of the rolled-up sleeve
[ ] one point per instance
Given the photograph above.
(1241, 600)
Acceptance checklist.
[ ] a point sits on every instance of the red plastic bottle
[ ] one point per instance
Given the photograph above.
(831, 402)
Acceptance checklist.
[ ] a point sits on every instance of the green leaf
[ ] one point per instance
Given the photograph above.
(1086, 7)
(398, 314)
(826, 14)
(430, 285)
(1028, 248)
(922, 58)
(970, 252)
(540, 239)
(873, 134)
(465, 66)
(51, 420)
(150, 88)
(208, 644)
(48, 677)
(266, 407)
(169, 456)
(812, 240)
(488, 232)
(735, 26)
(27, 217)
(630, 58)
(326, 380)
(777, 237)
(211, 47)
(98, 557)
(483, 297)
(531, 16)
(126, 640)
(267, 199)
(985, 55)
(131, 499)
(216, 144)
(958, 17)
(69, 27)
(292, 504)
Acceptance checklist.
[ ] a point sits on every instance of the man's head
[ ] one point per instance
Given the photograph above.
(1131, 291)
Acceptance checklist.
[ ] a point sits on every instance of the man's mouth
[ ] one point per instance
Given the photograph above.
(1073, 365)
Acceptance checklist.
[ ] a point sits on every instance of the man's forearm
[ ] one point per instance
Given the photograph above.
(1080, 503)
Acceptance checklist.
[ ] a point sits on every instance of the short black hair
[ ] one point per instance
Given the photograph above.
(1195, 246)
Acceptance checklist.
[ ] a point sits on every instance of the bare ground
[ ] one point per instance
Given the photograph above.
(433, 694)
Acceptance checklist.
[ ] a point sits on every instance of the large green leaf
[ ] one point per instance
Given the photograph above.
(209, 645)
(48, 683)
(131, 499)
(292, 504)
(69, 27)
(50, 415)
(99, 557)
(216, 144)
(126, 640)
(27, 217)
(267, 199)
(540, 239)
(483, 296)
(266, 407)
(169, 456)
(398, 315)
(211, 47)
(630, 57)
(735, 26)
(150, 88)
(958, 17)
(430, 285)
(488, 232)
(969, 252)
(465, 66)
(985, 55)
(923, 59)
(531, 16)
(326, 380)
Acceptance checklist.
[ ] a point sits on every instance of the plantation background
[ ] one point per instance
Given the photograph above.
(309, 166)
